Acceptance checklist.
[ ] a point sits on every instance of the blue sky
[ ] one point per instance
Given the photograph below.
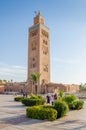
(67, 22)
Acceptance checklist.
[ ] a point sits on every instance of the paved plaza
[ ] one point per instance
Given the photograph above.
(12, 117)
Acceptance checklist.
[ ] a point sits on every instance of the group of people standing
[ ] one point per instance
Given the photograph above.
(24, 94)
(51, 99)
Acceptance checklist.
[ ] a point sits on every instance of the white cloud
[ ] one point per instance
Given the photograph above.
(68, 71)
(17, 73)
(19, 67)
(66, 61)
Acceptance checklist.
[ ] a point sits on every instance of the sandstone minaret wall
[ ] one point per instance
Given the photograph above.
(39, 50)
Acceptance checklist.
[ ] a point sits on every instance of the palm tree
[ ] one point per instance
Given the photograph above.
(35, 77)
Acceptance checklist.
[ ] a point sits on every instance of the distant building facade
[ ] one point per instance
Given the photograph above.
(47, 88)
(54, 87)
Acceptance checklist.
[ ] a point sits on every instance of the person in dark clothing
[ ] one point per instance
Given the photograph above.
(55, 97)
(48, 98)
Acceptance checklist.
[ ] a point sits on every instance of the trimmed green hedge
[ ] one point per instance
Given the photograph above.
(33, 102)
(18, 98)
(32, 96)
(61, 107)
(47, 106)
(40, 112)
(76, 105)
(69, 99)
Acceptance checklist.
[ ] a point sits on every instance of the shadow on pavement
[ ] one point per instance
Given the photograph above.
(20, 119)
(14, 106)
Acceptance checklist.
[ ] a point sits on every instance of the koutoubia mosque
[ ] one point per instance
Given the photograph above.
(39, 61)
(39, 50)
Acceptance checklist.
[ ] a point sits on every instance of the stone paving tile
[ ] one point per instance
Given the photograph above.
(3, 125)
(15, 120)
(12, 128)
(50, 128)
(45, 125)
(37, 125)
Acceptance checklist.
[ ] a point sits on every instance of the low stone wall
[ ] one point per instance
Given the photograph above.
(53, 87)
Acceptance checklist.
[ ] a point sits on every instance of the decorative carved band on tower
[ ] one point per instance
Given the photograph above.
(39, 50)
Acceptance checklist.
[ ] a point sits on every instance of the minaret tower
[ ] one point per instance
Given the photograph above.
(39, 50)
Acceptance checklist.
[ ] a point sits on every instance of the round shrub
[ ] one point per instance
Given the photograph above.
(39, 112)
(48, 113)
(76, 105)
(61, 107)
(47, 106)
(69, 99)
(33, 112)
(18, 98)
(33, 102)
(32, 96)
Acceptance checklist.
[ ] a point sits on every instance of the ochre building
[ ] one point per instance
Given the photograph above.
(39, 50)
